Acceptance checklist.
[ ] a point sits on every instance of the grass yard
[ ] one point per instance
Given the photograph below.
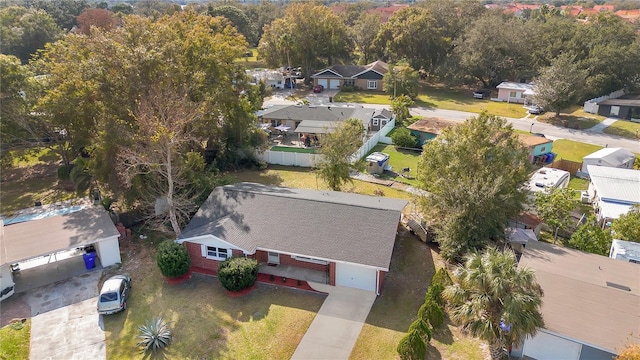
(573, 150)
(578, 111)
(15, 340)
(29, 176)
(305, 178)
(293, 149)
(252, 61)
(570, 121)
(624, 128)
(267, 323)
(412, 266)
(400, 159)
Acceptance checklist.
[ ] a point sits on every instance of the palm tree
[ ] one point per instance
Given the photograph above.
(495, 300)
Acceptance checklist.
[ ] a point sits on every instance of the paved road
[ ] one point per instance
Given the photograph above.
(591, 136)
(337, 325)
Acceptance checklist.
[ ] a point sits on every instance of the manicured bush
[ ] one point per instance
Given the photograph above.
(442, 278)
(432, 313)
(172, 259)
(412, 347)
(402, 137)
(238, 273)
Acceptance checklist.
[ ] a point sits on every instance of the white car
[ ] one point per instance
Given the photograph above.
(114, 294)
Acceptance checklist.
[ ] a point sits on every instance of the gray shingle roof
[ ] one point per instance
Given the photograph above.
(322, 224)
(317, 113)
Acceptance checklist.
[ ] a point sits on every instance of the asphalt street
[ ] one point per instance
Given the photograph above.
(591, 136)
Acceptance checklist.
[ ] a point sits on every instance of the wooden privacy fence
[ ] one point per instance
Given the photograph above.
(571, 166)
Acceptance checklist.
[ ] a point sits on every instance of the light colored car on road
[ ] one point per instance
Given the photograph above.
(114, 294)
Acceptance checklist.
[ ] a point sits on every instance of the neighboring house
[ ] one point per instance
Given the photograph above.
(625, 107)
(310, 119)
(613, 191)
(625, 251)
(539, 148)
(365, 77)
(591, 304)
(519, 238)
(514, 92)
(348, 237)
(271, 78)
(527, 220)
(546, 179)
(610, 157)
(427, 129)
(47, 234)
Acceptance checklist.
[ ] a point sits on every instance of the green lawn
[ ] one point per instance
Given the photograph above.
(573, 150)
(439, 98)
(15, 340)
(578, 111)
(412, 267)
(400, 159)
(570, 121)
(624, 128)
(252, 61)
(267, 323)
(29, 176)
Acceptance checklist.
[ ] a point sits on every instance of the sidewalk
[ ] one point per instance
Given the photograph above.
(336, 327)
(602, 125)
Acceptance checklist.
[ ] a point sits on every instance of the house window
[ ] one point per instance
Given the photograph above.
(542, 149)
(375, 122)
(217, 253)
(372, 84)
(349, 82)
(513, 94)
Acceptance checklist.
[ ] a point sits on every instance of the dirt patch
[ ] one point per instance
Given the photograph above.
(13, 308)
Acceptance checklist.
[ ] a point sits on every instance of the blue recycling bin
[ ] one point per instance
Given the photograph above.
(89, 260)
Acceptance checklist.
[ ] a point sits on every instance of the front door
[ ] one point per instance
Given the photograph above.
(274, 258)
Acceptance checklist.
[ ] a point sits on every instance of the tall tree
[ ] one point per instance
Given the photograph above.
(64, 12)
(555, 207)
(263, 14)
(412, 34)
(627, 226)
(337, 150)
(400, 106)
(101, 18)
(590, 237)
(239, 20)
(318, 38)
(363, 33)
(401, 79)
(559, 85)
(25, 31)
(495, 300)
(490, 166)
(166, 118)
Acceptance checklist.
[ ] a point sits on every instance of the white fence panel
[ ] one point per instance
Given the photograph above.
(591, 105)
(290, 158)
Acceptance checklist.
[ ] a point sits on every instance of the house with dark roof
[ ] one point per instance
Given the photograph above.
(624, 107)
(318, 120)
(365, 77)
(345, 238)
(427, 129)
(590, 308)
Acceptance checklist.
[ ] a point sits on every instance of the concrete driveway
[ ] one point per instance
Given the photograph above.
(337, 325)
(64, 323)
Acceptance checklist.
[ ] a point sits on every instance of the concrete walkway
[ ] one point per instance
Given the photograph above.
(602, 125)
(337, 325)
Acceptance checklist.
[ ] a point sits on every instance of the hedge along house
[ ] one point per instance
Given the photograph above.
(345, 238)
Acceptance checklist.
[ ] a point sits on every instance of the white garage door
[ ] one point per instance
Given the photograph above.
(355, 276)
(334, 84)
(323, 82)
(545, 346)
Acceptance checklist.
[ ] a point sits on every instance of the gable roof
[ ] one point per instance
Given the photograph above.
(532, 140)
(515, 86)
(317, 113)
(327, 225)
(612, 156)
(34, 238)
(352, 71)
(578, 302)
(431, 125)
(616, 184)
(384, 113)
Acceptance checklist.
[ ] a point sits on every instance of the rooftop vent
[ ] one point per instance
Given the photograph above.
(618, 286)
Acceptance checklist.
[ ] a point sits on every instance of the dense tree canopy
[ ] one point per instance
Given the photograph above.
(238, 19)
(474, 173)
(93, 17)
(627, 226)
(25, 31)
(337, 150)
(559, 85)
(96, 82)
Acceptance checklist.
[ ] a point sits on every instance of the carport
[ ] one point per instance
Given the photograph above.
(48, 236)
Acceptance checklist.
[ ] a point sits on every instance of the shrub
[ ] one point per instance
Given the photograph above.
(432, 313)
(154, 335)
(172, 259)
(403, 138)
(238, 273)
(442, 277)
(347, 88)
(412, 347)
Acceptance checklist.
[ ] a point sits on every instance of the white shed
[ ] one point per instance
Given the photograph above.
(377, 162)
(611, 157)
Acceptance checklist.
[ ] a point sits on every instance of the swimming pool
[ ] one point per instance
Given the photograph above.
(41, 215)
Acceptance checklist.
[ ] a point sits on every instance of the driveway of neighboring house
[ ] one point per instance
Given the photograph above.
(64, 323)
(337, 325)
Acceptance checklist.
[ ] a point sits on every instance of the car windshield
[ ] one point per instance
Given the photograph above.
(112, 296)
